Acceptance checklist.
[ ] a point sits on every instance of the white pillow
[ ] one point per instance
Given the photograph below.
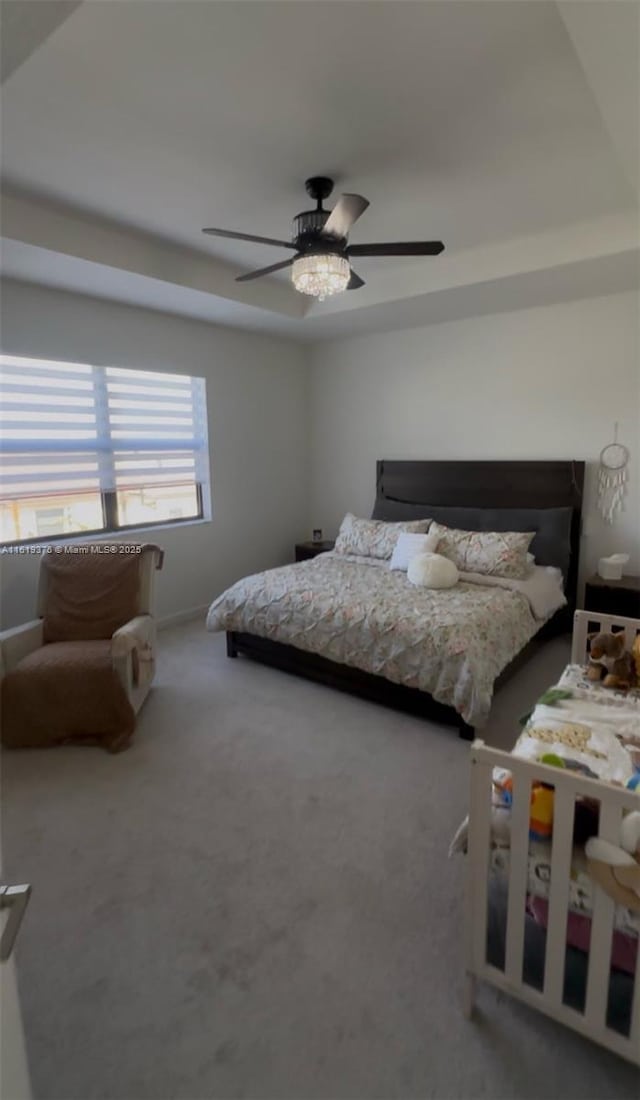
(432, 571)
(408, 545)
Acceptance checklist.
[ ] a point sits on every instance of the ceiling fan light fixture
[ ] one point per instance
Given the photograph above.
(321, 265)
(321, 275)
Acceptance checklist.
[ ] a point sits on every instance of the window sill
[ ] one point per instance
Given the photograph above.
(127, 534)
(124, 532)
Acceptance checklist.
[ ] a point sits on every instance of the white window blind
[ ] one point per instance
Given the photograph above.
(73, 427)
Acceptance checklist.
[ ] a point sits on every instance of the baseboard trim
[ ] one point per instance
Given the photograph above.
(183, 617)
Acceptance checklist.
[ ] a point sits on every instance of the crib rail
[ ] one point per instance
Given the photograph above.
(584, 622)
(614, 801)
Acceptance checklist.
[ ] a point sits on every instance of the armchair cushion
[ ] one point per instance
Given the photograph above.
(66, 691)
(89, 593)
(19, 642)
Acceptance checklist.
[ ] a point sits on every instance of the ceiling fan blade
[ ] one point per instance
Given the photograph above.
(247, 237)
(397, 248)
(264, 271)
(355, 282)
(344, 214)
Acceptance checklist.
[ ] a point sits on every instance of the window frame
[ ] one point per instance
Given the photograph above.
(109, 503)
(108, 497)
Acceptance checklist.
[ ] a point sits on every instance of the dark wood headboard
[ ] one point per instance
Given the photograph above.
(484, 484)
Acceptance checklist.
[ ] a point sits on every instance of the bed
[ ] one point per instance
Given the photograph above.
(337, 620)
(547, 923)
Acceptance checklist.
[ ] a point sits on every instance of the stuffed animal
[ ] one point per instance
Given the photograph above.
(432, 571)
(616, 868)
(608, 656)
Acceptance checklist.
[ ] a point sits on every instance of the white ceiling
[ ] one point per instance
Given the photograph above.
(492, 126)
(26, 26)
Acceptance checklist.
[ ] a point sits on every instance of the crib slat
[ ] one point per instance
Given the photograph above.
(518, 871)
(579, 639)
(561, 851)
(634, 1033)
(601, 930)
(479, 846)
(629, 636)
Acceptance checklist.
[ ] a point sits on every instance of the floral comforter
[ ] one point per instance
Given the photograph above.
(450, 643)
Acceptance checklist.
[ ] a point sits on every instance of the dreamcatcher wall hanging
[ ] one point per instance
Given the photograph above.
(613, 474)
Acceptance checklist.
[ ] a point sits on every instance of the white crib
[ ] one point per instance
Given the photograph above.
(614, 801)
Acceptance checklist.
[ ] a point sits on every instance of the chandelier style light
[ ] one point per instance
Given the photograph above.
(321, 275)
(321, 264)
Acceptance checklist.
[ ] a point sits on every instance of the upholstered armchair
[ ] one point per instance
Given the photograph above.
(83, 668)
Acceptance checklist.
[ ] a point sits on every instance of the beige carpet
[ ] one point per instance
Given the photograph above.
(255, 901)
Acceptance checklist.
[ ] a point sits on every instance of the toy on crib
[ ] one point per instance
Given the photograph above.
(616, 868)
(609, 657)
(541, 812)
(556, 761)
(585, 820)
(541, 817)
(586, 810)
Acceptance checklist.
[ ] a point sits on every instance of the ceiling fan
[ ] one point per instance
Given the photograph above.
(321, 264)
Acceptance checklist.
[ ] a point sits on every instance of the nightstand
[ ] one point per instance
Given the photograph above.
(306, 550)
(613, 597)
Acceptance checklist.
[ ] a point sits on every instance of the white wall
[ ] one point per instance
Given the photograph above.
(294, 448)
(258, 435)
(538, 383)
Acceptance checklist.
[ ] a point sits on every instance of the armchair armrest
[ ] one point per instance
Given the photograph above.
(136, 634)
(19, 642)
(133, 653)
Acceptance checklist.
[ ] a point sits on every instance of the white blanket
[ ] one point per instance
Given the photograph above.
(542, 588)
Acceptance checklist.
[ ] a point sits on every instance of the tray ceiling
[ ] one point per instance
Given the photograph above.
(132, 125)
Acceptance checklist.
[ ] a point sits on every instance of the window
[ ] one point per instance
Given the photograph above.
(87, 449)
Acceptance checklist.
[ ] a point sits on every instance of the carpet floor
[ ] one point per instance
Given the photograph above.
(255, 901)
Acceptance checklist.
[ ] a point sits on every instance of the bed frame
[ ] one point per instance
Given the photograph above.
(614, 801)
(483, 484)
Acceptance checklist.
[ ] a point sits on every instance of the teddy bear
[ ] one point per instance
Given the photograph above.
(616, 868)
(608, 656)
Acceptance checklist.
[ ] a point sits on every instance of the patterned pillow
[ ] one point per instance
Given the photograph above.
(494, 553)
(373, 538)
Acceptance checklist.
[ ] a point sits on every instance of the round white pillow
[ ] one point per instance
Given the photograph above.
(432, 571)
